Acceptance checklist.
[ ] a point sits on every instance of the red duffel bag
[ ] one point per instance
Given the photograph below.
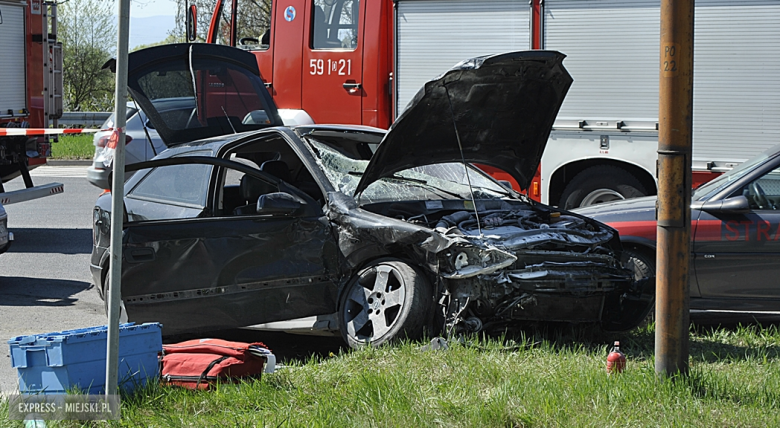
(199, 363)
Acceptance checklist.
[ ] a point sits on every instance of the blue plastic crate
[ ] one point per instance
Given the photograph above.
(53, 363)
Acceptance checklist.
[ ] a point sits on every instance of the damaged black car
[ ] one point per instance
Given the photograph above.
(374, 234)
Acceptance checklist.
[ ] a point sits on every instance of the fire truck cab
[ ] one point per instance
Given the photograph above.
(329, 59)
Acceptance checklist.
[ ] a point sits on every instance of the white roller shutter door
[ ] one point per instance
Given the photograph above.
(12, 59)
(612, 54)
(434, 35)
(736, 89)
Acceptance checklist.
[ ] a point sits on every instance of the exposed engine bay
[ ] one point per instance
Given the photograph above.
(514, 261)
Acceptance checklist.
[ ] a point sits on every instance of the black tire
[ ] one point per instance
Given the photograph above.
(122, 311)
(104, 294)
(599, 184)
(369, 316)
(643, 263)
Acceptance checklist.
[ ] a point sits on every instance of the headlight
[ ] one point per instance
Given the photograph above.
(461, 260)
(472, 261)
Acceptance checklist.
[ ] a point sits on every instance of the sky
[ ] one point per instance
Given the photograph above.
(147, 8)
(150, 21)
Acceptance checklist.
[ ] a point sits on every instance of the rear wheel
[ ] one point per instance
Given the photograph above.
(122, 311)
(599, 184)
(386, 301)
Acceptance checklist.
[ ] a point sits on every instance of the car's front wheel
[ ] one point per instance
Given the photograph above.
(643, 264)
(385, 301)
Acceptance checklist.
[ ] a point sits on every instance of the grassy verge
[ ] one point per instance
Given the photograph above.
(77, 146)
(539, 380)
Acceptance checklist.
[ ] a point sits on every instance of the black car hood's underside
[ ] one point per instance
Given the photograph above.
(503, 107)
(170, 58)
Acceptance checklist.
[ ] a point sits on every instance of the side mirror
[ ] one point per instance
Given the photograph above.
(256, 117)
(736, 205)
(279, 203)
(192, 23)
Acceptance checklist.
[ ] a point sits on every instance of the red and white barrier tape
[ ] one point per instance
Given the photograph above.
(24, 195)
(12, 132)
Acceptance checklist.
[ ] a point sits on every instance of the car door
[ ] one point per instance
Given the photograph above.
(193, 270)
(737, 254)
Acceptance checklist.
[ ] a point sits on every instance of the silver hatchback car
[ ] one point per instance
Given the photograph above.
(142, 143)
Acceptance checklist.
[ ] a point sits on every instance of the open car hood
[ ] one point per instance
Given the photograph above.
(195, 91)
(502, 105)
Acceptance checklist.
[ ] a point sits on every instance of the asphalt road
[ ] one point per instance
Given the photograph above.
(45, 284)
(44, 278)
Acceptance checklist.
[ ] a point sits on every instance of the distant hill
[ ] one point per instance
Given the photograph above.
(152, 29)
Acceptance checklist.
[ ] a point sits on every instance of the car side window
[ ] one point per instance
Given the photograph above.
(232, 176)
(764, 192)
(233, 194)
(170, 192)
(241, 199)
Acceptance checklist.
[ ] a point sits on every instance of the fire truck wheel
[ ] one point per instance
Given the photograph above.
(387, 300)
(599, 184)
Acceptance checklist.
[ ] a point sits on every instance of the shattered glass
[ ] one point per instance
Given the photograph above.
(428, 182)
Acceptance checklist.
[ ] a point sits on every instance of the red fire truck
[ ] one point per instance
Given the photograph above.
(361, 61)
(30, 93)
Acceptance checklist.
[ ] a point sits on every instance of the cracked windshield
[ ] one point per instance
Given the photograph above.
(438, 181)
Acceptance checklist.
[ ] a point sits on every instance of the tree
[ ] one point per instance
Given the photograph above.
(168, 40)
(205, 8)
(252, 21)
(88, 34)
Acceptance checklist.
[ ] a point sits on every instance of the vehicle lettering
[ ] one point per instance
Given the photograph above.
(731, 226)
(341, 67)
(762, 228)
(316, 66)
(748, 230)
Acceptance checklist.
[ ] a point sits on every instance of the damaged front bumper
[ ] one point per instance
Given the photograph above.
(543, 274)
(576, 292)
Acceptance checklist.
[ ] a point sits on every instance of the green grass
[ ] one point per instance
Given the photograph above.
(77, 146)
(540, 380)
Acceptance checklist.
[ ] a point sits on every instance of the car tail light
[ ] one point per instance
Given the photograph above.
(103, 141)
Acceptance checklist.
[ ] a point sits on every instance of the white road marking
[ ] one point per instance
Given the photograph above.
(77, 171)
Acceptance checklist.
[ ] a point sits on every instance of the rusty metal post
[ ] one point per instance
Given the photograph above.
(675, 138)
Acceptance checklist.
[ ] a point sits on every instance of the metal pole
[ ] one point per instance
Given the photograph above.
(117, 201)
(674, 187)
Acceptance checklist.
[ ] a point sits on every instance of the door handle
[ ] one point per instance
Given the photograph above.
(268, 84)
(140, 255)
(352, 87)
